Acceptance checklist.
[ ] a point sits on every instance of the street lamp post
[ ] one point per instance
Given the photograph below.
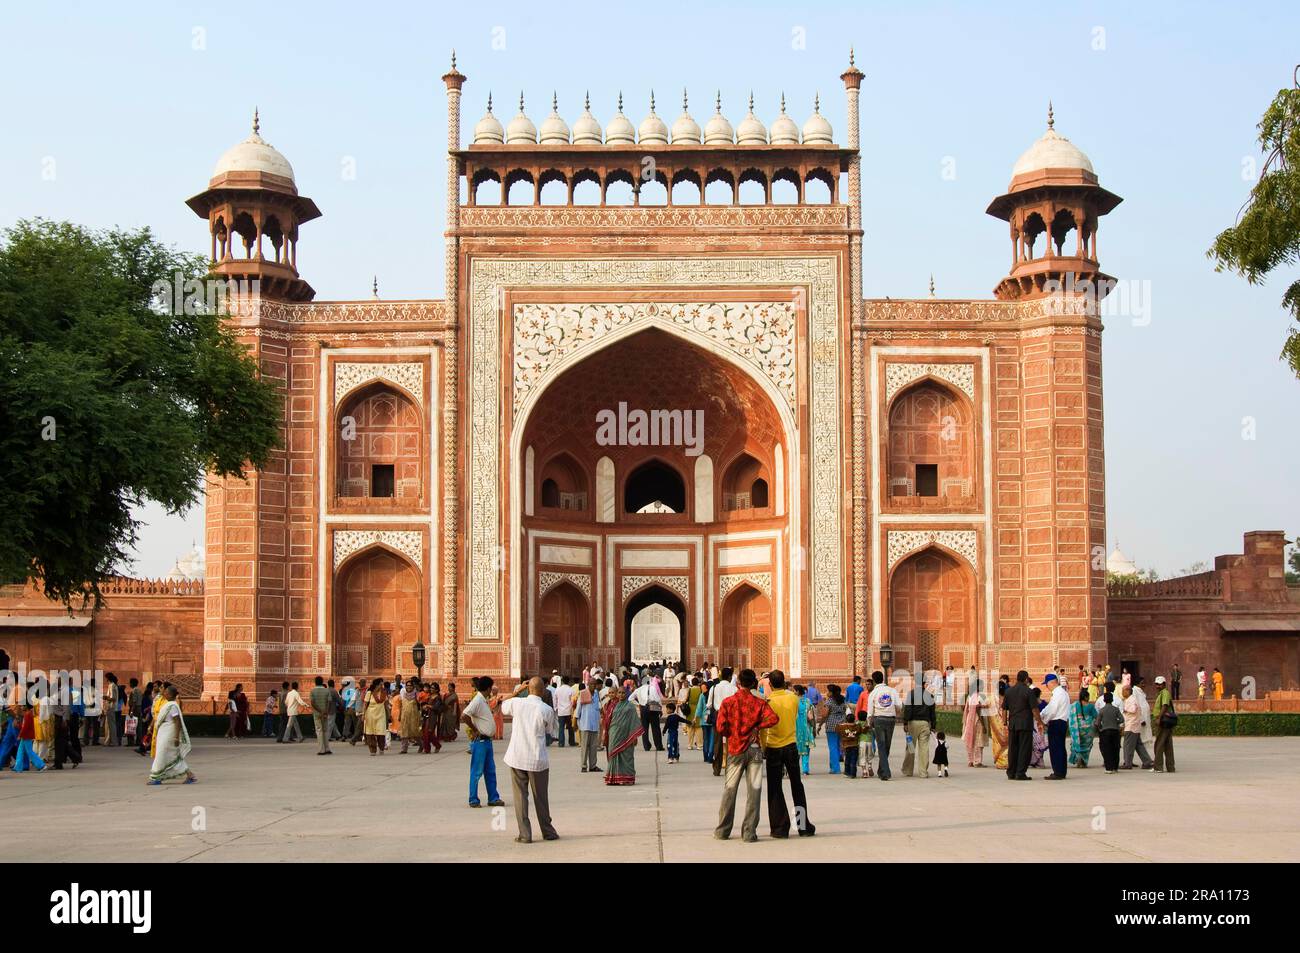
(886, 658)
(418, 656)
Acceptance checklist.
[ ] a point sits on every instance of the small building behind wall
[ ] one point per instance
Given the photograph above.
(1240, 616)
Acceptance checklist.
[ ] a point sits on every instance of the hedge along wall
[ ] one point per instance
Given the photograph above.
(1199, 724)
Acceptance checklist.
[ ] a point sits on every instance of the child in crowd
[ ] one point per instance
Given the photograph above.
(848, 730)
(866, 746)
(672, 722)
(268, 713)
(941, 755)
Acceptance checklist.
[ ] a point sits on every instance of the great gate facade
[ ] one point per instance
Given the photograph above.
(920, 475)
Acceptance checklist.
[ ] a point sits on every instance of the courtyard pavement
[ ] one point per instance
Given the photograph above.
(1233, 799)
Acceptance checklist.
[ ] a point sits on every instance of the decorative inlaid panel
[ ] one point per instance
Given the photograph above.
(761, 333)
(487, 282)
(898, 376)
(660, 217)
(409, 543)
(762, 581)
(547, 581)
(902, 543)
(678, 584)
(408, 375)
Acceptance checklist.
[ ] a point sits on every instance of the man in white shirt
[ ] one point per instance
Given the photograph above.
(293, 704)
(563, 695)
(1056, 717)
(883, 710)
(530, 768)
(718, 694)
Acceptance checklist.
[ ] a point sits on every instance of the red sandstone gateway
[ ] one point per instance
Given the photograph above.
(922, 476)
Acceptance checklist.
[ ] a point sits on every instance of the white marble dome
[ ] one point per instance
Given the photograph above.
(1051, 151)
(652, 130)
(784, 131)
(586, 128)
(554, 130)
(620, 130)
(254, 154)
(489, 129)
(817, 131)
(686, 131)
(521, 128)
(191, 566)
(718, 131)
(751, 132)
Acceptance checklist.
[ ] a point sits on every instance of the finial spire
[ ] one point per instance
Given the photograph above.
(374, 287)
(1051, 119)
(586, 101)
(620, 100)
(521, 100)
(817, 102)
(684, 109)
(851, 64)
(652, 100)
(931, 284)
(751, 100)
(783, 102)
(257, 122)
(555, 102)
(717, 101)
(489, 100)
(453, 59)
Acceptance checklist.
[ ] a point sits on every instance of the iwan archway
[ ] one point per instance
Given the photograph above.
(654, 507)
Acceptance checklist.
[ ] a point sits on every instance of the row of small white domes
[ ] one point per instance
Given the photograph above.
(653, 130)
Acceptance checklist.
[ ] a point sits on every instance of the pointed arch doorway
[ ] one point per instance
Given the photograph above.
(654, 626)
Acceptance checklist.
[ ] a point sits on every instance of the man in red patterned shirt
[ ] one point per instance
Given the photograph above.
(740, 719)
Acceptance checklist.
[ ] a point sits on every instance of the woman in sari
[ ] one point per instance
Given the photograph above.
(803, 729)
(620, 727)
(410, 720)
(997, 725)
(241, 708)
(1082, 715)
(430, 717)
(494, 703)
(172, 741)
(450, 714)
(974, 727)
(375, 720)
(159, 699)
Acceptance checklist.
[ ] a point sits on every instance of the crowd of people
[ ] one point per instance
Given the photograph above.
(744, 725)
(49, 727)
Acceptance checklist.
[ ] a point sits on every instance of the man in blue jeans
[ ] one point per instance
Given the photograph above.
(477, 716)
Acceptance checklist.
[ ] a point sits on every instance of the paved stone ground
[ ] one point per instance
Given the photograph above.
(1231, 800)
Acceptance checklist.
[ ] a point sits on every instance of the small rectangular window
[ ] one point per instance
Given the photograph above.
(381, 479)
(927, 479)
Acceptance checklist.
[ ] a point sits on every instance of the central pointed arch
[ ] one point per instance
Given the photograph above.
(790, 439)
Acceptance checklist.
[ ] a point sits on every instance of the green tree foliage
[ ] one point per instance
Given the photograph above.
(109, 398)
(1267, 233)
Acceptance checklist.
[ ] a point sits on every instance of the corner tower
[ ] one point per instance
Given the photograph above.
(1054, 195)
(254, 210)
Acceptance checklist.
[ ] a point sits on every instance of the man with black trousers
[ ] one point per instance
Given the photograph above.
(781, 753)
(1018, 703)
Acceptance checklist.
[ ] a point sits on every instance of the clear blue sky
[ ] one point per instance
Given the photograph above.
(135, 102)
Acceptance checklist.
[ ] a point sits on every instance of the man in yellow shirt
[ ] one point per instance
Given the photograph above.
(782, 755)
